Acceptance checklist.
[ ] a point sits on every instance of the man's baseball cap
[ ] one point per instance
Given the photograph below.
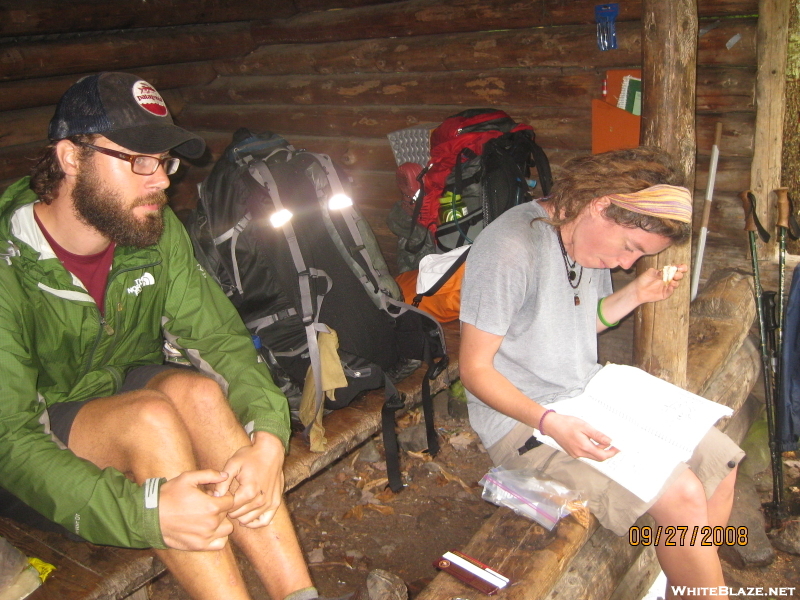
(125, 109)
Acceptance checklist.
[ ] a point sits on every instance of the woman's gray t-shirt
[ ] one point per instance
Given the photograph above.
(516, 286)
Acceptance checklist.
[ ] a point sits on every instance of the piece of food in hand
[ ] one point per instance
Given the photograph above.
(668, 272)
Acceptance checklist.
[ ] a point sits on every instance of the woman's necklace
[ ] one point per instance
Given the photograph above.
(573, 276)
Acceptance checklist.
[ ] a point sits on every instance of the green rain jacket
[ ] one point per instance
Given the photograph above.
(55, 346)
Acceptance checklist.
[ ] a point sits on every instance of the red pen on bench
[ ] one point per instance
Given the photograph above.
(471, 571)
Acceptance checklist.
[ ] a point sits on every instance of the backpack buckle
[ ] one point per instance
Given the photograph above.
(438, 367)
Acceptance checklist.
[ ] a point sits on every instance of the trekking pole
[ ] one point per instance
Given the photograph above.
(701, 244)
(753, 227)
(787, 224)
(783, 226)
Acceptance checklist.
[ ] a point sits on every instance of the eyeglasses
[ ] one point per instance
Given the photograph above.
(141, 164)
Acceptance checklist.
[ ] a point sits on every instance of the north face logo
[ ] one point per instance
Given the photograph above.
(146, 279)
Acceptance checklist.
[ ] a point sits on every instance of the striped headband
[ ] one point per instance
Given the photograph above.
(663, 201)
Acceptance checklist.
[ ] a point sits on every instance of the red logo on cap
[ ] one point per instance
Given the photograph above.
(149, 99)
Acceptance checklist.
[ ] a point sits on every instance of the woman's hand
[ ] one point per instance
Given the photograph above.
(647, 287)
(577, 438)
(651, 287)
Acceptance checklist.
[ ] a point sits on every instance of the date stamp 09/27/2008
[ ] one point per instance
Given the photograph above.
(684, 535)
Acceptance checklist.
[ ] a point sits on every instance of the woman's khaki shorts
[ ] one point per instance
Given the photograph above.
(614, 506)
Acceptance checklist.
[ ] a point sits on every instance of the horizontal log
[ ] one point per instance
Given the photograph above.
(718, 89)
(564, 46)
(123, 50)
(726, 89)
(553, 46)
(30, 93)
(309, 5)
(19, 127)
(499, 87)
(556, 128)
(36, 17)
(423, 17)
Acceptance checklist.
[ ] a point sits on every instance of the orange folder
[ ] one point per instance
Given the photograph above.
(612, 127)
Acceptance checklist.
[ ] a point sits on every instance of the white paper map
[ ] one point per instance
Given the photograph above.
(654, 424)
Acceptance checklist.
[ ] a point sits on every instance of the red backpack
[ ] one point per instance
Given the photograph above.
(479, 167)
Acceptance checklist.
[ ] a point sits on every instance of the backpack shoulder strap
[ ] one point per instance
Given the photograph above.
(360, 253)
(261, 173)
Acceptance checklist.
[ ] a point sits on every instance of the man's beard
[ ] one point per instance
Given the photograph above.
(102, 208)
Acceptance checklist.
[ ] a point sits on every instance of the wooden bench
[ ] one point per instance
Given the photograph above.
(85, 571)
(592, 563)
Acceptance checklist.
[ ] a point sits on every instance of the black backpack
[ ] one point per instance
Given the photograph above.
(479, 167)
(318, 268)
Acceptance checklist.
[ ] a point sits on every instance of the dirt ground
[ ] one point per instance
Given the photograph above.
(348, 523)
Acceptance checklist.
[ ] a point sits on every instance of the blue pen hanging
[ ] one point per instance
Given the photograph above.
(606, 17)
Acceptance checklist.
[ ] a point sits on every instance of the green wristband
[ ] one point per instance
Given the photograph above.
(600, 314)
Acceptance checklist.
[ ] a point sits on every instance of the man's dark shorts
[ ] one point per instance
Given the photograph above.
(63, 414)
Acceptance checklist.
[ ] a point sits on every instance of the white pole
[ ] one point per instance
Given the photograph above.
(701, 244)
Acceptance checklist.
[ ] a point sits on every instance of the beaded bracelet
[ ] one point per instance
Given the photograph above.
(541, 419)
(600, 314)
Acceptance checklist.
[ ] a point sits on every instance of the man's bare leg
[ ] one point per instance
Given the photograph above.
(140, 434)
(216, 434)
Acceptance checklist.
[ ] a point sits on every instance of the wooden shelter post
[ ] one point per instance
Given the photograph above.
(669, 64)
(765, 173)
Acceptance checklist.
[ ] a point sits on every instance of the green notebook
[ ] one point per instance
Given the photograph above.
(630, 97)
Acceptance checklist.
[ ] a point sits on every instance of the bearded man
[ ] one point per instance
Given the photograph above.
(97, 433)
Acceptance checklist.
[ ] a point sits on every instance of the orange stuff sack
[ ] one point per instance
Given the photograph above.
(445, 304)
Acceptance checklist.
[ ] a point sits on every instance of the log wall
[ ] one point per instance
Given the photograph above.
(339, 81)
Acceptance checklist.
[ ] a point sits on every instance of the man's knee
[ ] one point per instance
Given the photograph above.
(180, 386)
(153, 410)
